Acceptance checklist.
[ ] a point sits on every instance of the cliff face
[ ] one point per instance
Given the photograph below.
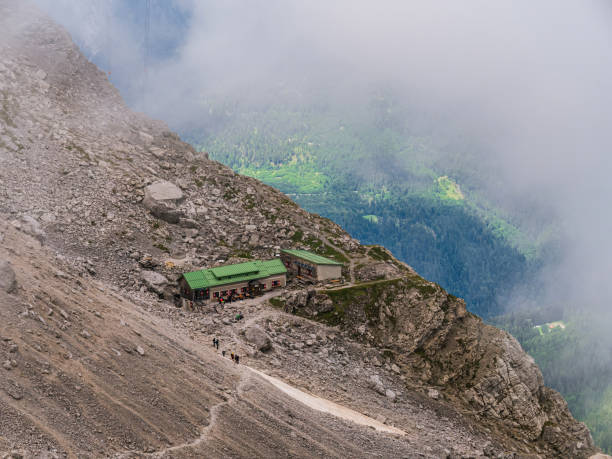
(438, 345)
(76, 167)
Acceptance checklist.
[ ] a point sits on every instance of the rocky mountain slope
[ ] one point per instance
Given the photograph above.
(98, 361)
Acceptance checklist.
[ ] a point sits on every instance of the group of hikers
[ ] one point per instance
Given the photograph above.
(233, 356)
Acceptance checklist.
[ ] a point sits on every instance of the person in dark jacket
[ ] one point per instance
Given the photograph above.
(237, 359)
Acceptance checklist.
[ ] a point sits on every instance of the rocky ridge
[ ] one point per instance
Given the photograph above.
(127, 206)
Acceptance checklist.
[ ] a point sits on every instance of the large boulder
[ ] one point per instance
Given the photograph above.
(154, 281)
(162, 198)
(256, 336)
(376, 384)
(164, 191)
(8, 282)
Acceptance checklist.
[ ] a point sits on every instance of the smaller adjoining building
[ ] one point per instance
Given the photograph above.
(310, 265)
(233, 281)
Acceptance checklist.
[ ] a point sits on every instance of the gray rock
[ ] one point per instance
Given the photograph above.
(433, 393)
(14, 390)
(8, 282)
(161, 199)
(256, 336)
(154, 281)
(163, 191)
(376, 384)
(188, 223)
(140, 350)
(390, 394)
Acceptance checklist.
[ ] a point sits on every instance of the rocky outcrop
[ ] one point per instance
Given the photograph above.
(376, 384)
(436, 342)
(8, 281)
(154, 281)
(161, 198)
(257, 337)
(377, 271)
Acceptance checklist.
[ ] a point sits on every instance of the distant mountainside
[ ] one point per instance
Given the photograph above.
(97, 360)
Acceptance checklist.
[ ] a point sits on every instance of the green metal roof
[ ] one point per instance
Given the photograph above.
(311, 257)
(250, 267)
(274, 267)
(242, 272)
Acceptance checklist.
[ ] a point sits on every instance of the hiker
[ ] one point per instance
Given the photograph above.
(237, 359)
(214, 342)
(232, 356)
(217, 343)
(223, 352)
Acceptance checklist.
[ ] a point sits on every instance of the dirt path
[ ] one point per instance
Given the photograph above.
(311, 401)
(214, 411)
(326, 406)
